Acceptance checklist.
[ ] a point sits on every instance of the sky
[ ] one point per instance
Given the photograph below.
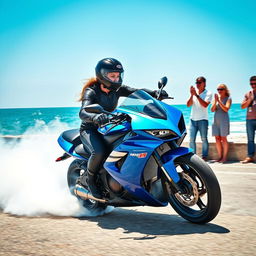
(48, 48)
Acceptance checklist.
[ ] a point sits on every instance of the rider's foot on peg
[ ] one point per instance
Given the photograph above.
(92, 185)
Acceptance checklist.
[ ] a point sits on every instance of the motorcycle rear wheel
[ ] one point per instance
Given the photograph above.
(73, 174)
(200, 199)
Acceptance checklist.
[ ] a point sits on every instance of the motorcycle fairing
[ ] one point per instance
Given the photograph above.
(168, 159)
(143, 122)
(136, 150)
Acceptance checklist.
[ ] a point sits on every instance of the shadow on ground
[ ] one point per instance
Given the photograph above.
(152, 224)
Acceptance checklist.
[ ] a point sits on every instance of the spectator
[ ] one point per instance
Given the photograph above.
(249, 102)
(221, 126)
(199, 99)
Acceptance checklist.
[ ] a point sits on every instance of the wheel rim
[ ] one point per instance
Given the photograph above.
(193, 200)
(190, 195)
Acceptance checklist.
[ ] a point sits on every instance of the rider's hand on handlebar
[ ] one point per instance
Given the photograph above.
(101, 119)
(119, 117)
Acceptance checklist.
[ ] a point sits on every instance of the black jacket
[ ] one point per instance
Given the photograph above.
(94, 95)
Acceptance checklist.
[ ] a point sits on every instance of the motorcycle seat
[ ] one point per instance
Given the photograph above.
(72, 136)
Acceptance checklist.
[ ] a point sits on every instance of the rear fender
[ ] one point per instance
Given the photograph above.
(69, 148)
(168, 160)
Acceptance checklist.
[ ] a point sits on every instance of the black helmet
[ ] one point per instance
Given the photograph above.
(106, 66)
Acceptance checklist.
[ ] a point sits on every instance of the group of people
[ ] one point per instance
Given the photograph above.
(105, 90)
(200, 98)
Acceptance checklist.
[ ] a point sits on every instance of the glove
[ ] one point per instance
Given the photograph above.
(163, 94)
(101, 119)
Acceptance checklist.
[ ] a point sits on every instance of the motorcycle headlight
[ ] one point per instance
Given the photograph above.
(162, 133)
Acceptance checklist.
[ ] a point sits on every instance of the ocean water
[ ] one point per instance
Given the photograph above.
(20, 120)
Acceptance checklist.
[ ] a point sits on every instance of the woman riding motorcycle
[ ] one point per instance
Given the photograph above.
(104, 90)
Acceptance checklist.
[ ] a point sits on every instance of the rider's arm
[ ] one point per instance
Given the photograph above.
(88, 99)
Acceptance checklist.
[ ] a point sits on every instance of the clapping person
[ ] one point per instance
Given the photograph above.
(221, 125)
(249, 102)
(199, 100)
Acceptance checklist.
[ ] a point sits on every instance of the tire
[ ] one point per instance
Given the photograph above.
(199, 184)
(72, 177)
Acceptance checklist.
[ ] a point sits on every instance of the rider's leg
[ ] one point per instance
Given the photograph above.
(94, 142)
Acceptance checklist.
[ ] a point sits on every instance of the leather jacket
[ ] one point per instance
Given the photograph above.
(94, 95)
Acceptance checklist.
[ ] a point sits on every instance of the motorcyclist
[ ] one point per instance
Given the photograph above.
(104, 90)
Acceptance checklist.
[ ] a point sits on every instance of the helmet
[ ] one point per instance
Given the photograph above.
(106, 66)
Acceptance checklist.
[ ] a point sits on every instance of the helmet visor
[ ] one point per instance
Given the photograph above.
(114, 77)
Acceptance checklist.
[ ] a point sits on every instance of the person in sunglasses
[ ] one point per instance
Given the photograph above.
(249, 102)
(221, 125)
(199, 99)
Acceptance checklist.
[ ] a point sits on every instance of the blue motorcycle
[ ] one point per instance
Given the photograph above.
(147, 164)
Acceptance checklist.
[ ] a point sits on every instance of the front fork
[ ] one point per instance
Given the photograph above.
(164, 170)
(168, 167)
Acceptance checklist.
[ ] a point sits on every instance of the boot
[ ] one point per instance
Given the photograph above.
(91, 184)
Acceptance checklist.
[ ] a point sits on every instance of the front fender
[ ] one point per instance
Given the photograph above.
(168, 160)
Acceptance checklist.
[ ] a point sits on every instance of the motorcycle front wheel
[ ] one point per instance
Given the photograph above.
(199, 198)
(73, 175)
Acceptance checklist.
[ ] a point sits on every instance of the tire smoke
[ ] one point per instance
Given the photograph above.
(31, 182)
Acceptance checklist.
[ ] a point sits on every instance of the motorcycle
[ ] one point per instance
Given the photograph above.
(147, 164)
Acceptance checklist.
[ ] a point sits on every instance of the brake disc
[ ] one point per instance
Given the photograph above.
(188, 199)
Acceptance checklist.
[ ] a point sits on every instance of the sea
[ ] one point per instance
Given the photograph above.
(19, 121)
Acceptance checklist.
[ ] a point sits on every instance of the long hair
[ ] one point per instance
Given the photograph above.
(88, 83)
(226, 89)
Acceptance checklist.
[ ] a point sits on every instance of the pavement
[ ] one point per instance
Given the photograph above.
(144, 230)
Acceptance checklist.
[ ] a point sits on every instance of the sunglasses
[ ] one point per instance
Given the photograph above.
(220, 89)
(253, 83)
(198, 82)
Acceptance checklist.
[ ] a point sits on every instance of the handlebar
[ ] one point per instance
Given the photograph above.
(116, 119)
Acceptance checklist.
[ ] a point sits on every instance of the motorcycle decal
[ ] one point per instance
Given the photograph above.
(139, 155)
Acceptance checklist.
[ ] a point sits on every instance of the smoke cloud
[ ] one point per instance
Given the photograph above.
(31, 182)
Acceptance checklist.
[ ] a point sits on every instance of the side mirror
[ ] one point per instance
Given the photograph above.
(95, 108)
(162, 82)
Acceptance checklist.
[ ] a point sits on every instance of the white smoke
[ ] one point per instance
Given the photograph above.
(31, 182)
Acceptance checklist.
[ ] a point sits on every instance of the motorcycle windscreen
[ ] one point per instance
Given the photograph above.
(143, 103)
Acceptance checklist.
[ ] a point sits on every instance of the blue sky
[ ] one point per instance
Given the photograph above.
(48, 48)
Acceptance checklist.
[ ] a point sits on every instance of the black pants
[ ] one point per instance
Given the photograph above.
(93, 141)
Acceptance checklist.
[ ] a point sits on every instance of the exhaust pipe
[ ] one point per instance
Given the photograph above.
(85, 194)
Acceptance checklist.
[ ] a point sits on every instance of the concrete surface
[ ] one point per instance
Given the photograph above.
(144, 230)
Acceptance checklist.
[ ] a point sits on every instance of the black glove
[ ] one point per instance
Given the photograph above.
(101, 119)
(163, 94)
